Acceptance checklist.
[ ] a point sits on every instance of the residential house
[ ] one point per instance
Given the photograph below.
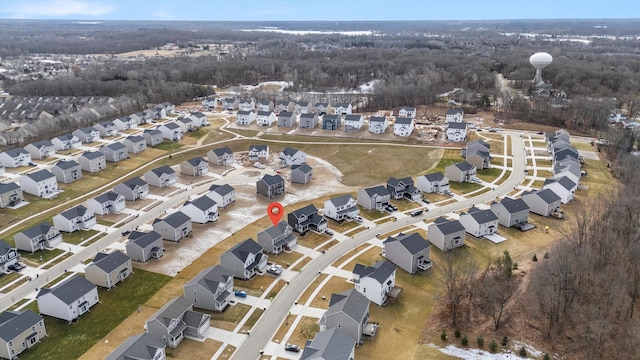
(270, 186)
(107, 270)
(220, 156)
(460, 172)
(39, 237)
(284, 105)
(479, 222)
(133, 189)
(174, 227)
(341, 208)
(199, 119)
(87, 134)
(403, 188)
(290, 156)
(266, 118)
(375, 282)
(170, 131)
(10, 194)
(404, 126)
(331, 122)
(245, 259)
(408, 251)
(76, 218)
(19, 331)
(125, 123)
(511, 212)
(8, 256)
(572, 172)
(246, 105)
(107, 128)
(68, 299)
(308, 121)
(301, 174)
(186, 124)
(245, 117)
(66, 142)
(446, 234)
(342, 109)
(454, 115)
(277, 238)
(177, 320)
(40, 183)
(349, 312)
(265, 105)
(41, 149)
(563, 187)
(159, 112)
(107, 203)
(305, 219)
(211, 289)
(321, 108)
(92, 161)
(144, 246)
(477, 143)
(139, 347)
(135, 144)
(115, 152)
(258, 152)
(201, 210)
(330, 344)
(303, 107)
(144, 117)
(434, 182)
(197, 166)
(169, 107)
(353, 122)
(223, 195)
(378, 124)
(163, 176)
(286, 119)
(373, 198)
(13, 158)
(407, 112)
(477, 154)
(67, 171)
(153, 137)
(457, 131)
(230, 103)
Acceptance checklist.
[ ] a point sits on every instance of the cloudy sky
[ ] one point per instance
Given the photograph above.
(337, 10)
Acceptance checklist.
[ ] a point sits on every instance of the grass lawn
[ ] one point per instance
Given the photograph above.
(255, 286)
(464, 187)
(449, 157)
(344, 226)
(544, 174)
(537, 184)
(544, 163)
(230, 318)
(105, 222)
(489, 175)
(192, 349)
(302, 264)
(168, 146)
(70, 341)
(583, 146)
(7, 278)
(355, 231)
(285, 259)
(404, 204)
(197, 134)
(57, 260)
(311, 240)
(335, 285)
(329, 245)
(311, 288)
(276, 289)
(253, 318)
(306, 330)
(372, 214)
(77, 237)
(367, 258)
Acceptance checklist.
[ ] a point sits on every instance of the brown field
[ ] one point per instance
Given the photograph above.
(333, 286)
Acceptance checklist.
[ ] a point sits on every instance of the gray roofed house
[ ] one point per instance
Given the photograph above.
(125, 123)
(201, 210)
(434, 182)
(186, 124)
(199, 119)
(454, 115)
(107, 203)
(511, 212)
(479, 222)
(174, 226)
(87, 134)
(342, 108)
(321, 108)
(177, 320)
(10, 194)
(170, 131)
(92, 161)
(270, 186)
(223, 195)
(41, 149)
(107, 128)
(446, 234)
(40, 183)
(341, 208)
(115, 152)
(409, 251)
(332, 344)
(220, 156)
(139, 347)
(404, 126)
(301, 174)
(38, 237)
(290, 156)
(284, 105)
(135, 144)
(68, 299)
(229, 103)
(286, 119)
(258, 152)
(457, 131)
(245, 117)
(144, 246)
(211, 289)
(331, 122)
(19, 331)
(563, 186)
(303, 107)
(277, 238)
(353, 122)
(266, 118)
(264, 105)
(107, 270)
(375, 282)
(153, 137)
(245, 259)
(308, 121)
(74, 219)
(246, 104)
(373, 198)
(543, 202)
(403, 188)
(133, 189)
(13, 158)
(163, 176)
(66, 142)
(348, 311)
(305, 219)
(460, 172)
(378, 124)
(67, 171)
(8, 256)
(407, 111)
(197, 166)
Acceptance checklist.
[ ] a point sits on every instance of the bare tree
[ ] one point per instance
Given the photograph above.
(455, 276)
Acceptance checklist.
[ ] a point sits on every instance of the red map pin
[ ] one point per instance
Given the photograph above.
(275, 212)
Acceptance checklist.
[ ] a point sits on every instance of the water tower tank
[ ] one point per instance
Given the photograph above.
(540, 61)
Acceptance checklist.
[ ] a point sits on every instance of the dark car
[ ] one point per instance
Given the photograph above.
(33, 164)
(328, 232)
(415, 213)
(426, 201)
(292, 347)
(16, 267)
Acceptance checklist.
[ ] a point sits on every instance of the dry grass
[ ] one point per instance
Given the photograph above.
(406, 230)
(312, 240)
(282, 331)
(311, 288)
(344, 226)
(302, 264)
(230, 318)
(367, 258)
(276, 289)
(253, 318)
(227, 352)
(255, 286)
(191, 349)
(404, 204)
(355, 231)
(285, 258)
(304, 327)
(333, 286)
(328, 245)
(346, 256)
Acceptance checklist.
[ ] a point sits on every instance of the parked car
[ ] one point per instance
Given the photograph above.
(17, 266)
(415, 213)
(426, 201)
(32, 164)
(358, 219)
(292, 347)
(240, 293)
(393, 207)
(275, 269)
(328, 232)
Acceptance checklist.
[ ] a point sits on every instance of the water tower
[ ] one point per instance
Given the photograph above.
(540, 61)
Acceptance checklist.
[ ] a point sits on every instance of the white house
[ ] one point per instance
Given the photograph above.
(246, 105)
(199, 119)
(13, 158)
(563, 187)
(170, 131)
(92, 161)
(479, 222)
(68, 299)
(67, 171)
(201, 210)
(266, 118)
(258, 152)
(10, 194)
(135, 144)
(40, 183)
(41, 149)
(107, 203)
(39, 237)
(378, 124)
(66, 142)
(353, 122)
(163, 176)
(290, 157)
(87, 134)
(264, 105)
(454, 115)
(74, 219)
(375, 282)
(434, 182)
(543, 202)
(407, 112)
(404, 126)
(342, 108)
(511, 212)
(153, 137)
(115, 152)
(133, 189)
(245, 117)
(107, 128)
(223, 195)
(457, 131)
(341, 208)
(303, 107)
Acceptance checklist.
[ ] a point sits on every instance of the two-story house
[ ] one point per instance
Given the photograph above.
(107, 203)
(92, 161)
(278, 238)
(10, 195)
(221, 156)
(331, 122)
(331, 344)
(408, 251)
(378, 124)
(457, 131)
(76, 218)
(41, 183)
(286, 119)
(201, 210)
(301, 174)
(8, 256)
(186, 124)
(245, 259)
(170, 131)
(67, 171)
(68, 299)
(375, 282)
(308, 121)
(258, 152)
(163, 176)
(87, 134)
(246, 105)
(321, 108)
(305, 219)
(446, 234)
(41, 149)
(19, 331)
(197, 166)
(211, 289)
(270, 186)
(13, 158)
(478, 222)
(290, 156)
(174, 227)
(135, 144)
(223, 195)
(133, 189)
(403, 188)
(407, 112)
(66, 142)
(266, 118)
(39, 237)
(543, 202)
(125, 123)
(284, 105)
(353, 122)
(303, 107)
(460, 172)
(454, 115)
(153, 137)
(229, 103)
(107, 128)
(511, 212)
(564, 187)
(342, 108)
(139, 347)
(265, 105)
(107, 270)
(177, 320)
(115, 152)
(373, 198)
(349, 312)
(434, 182)
(144, 246)
(341, 208)
(199, 119)
(404, 126)
(245, 117)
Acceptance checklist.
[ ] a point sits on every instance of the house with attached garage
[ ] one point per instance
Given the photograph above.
(87, 134)
(266, 118)
(479, 222)
(276, 239)
(454, 115)
(169, 107)
(209, 103)
(434, 182)
(10, 194)
(375, 282)
(245, 259)
(408, 251)
(285, 105)
(14, 158)
(308, 121)
(133, 189)
(330, 344)
(342, 109)
(199, 119)
(460, 172)
(107, 270)
(341, 208)
(511, 212)
(159, 112)
(220, 156)
(186, 124)
(563, 187)
(270, 186)
(163, 176)
(404, 126)
(353, 122)
(107, 128)
(572, 171)
(69, 299)
(177, 320)
(303, 107)
(265, 105)
(67, 171)
(39, 237)
(477, 154)
(258, 152)
(301, 174)
(457, 131)
(8, 256)
(403, 189)
(446, 234)
(144, 246)
(290, 156)
(349, 312)
(230, 103)
(66, 142)
(331, 122)
(407, 112)
(170, 131)
(305, 219)
(197, 166)
(107, 203)
(246, 105)
(321, 108)
(286, 119)
(125, 123)
(139, 347)
(223, 195)
(115, 152)
(92, 161)
(153, 137)
(211, 289)
(245, 117)
(74, 219)
(40, 183)
(41, 149)
(135, 144)
(201, 210)
(174, 227)
(19, 331)
(373, 198)
(378, 124)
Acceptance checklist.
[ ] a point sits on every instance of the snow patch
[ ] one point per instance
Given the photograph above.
(477, 354)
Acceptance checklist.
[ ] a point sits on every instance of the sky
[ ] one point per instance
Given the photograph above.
(334, 10)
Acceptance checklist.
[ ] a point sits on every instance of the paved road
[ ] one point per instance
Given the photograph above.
(270, 321)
